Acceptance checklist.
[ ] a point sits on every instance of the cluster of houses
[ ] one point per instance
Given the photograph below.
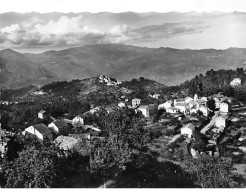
(54, 129)
(186, 105)
(235, 82)
(108, 81)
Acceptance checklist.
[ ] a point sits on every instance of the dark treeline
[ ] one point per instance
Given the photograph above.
(213, 82)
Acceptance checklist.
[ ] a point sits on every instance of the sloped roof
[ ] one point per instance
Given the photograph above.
(43, 129)
(60, 123)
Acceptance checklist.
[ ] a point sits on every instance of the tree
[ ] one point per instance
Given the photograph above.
(33, 169)
(109, 157)
(158, 114)
(212, 172)
(211, 104)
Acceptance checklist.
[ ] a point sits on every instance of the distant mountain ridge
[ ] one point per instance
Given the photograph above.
(165, 65)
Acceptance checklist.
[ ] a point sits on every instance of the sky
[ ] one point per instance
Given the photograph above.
(44, 6)
(36, 33)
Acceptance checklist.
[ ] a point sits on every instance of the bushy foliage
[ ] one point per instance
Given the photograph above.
(212, 172)
(34, 168)
(217, 81)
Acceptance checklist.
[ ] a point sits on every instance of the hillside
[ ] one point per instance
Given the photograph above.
(165, 65)
(18, 70)
(100, 89)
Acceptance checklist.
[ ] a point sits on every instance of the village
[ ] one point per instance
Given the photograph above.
(209, 116)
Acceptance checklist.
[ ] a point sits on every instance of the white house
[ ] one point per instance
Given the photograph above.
(156, 96)
(224, 107)
(220, 121)
(136, 102)
(41, 114)
(58, 125)
(182, 107)
(78, 120)
(235, 82)
(165, 105)
(41, 131)
(172, 110)
(204, 110)
(144, 110)
(177, 101)
(121, 104)
(188, 130)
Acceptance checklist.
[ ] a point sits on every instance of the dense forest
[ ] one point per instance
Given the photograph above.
(214, 82)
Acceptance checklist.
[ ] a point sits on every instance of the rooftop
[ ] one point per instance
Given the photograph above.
(43, 129)
(60, 123)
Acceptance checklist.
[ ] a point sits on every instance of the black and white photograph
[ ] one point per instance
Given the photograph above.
(122, 94)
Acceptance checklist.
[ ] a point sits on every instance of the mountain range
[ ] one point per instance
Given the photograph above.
(165, 65)
(38, 32)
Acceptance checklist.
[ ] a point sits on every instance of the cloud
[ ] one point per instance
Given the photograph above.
(167, 30)
(9, 29)
(63, 32)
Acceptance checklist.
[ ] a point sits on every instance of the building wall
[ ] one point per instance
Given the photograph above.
(204, 111)
(41, 115)
(145, 112)
(224, 107)
(181, 108)
(54, 127)
(220, 122)
(34, 132)
(187, 131)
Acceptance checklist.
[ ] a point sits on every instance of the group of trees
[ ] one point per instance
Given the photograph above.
(217, 81)
(19, 116)
(37, 165)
